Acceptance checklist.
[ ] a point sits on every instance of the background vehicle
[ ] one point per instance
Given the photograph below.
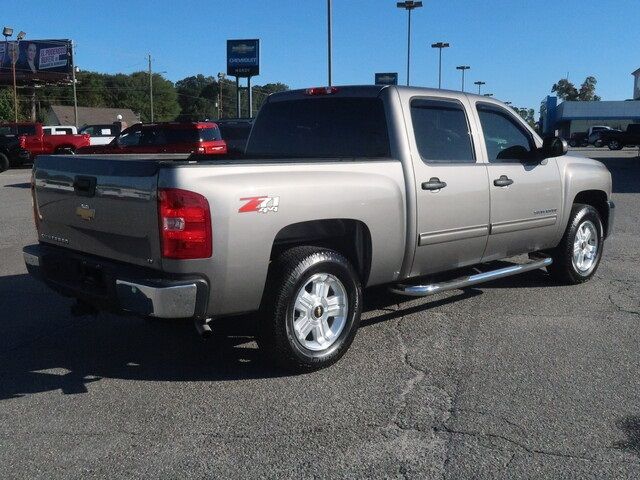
(617, 140)
(39, 143)
(10, 145)
(101, 134)
(170, 137)
(339, 189)
(60, 130)
(235, 132)
(578, 139)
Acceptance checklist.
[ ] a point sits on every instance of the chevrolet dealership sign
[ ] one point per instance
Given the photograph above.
(243, 58)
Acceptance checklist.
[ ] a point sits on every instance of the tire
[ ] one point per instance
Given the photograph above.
(573, 143)
(282, 321)
(568, 269)
(4, 162)
(614, 145)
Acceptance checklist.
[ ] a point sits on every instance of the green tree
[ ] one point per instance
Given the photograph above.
(198, 97)
(568, 91)
(6, 105)
(528, 114)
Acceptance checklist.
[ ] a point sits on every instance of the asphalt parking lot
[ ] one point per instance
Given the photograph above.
(519, 378)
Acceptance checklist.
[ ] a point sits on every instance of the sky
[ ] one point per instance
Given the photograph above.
(518, 47)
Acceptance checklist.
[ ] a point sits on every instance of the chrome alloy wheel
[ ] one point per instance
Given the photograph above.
(585, 247)
(320, 312)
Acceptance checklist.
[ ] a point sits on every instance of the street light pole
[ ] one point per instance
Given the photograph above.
(409, 5)
(463, 68)
(479, 84)
(329, 41)
(73, 79)
(440, 46)
(150, 88)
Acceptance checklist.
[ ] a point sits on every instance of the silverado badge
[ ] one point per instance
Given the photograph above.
(85, 212)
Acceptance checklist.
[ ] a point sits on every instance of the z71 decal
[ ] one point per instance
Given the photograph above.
(263, 204)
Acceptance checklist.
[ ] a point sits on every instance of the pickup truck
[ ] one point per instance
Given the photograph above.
(617, 140)
(41, 143)
(340, 188)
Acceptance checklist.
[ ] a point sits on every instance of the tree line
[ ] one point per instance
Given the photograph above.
(197, 97)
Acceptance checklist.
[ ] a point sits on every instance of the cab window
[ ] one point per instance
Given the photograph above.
(441, 130)
(506, 139)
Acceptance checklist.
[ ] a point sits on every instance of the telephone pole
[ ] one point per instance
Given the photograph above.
(150, 88)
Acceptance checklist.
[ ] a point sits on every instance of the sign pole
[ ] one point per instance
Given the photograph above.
(150, 88)
(73, 79)
(238, 114)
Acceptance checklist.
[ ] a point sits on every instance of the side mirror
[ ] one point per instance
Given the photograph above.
(553, 147)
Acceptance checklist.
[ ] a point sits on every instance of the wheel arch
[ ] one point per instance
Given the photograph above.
(350, 237)
(598, 200)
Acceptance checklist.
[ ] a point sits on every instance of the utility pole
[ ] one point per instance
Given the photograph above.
(463, 68)
(329, 40)
(150, 88)
(409, 5)
(73, 79)
(440, 46)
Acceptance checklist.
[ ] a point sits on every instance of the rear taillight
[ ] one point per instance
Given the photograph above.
(185, 224)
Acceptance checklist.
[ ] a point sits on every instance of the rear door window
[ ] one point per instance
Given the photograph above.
(209, 134)
(322, 127)
(442, 132)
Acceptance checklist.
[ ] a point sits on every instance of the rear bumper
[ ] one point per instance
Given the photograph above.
(611, 219)
(117, 287)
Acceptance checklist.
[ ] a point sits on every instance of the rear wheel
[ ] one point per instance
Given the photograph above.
(614, 145)
(4, 162)
(312, 311)
(573, 143)
(577, 257)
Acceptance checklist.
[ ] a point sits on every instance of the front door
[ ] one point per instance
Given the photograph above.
(526, 193)
(452, 187)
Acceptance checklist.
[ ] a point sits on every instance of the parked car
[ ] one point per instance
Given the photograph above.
(170, 137)
(578, 139)
(60, 130)
(39, 142)
(10, 144)
(235, 132)
(617, 140)
(102, 134)
(340, 188)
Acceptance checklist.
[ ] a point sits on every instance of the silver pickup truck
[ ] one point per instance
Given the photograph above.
(339, 189)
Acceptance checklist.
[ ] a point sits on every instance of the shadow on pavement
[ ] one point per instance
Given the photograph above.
(631, 428)
(43, 348)
(19, 185)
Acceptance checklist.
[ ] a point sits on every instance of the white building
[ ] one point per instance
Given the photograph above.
(636, 85)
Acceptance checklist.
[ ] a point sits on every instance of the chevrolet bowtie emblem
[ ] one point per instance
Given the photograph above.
(85, 212)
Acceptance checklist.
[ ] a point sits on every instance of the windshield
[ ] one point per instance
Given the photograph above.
(320, 127)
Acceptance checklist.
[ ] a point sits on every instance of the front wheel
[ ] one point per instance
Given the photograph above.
(4, 162)
(312, 311)
(577, 257)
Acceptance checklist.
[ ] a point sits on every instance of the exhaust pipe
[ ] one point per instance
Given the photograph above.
(203, 328)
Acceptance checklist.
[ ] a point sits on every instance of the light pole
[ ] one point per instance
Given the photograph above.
(150, 88)
(488, 94)
(479, 83)
(440, 46)
(13, 58)
(409, 5)
(329, 41)
(463, 68)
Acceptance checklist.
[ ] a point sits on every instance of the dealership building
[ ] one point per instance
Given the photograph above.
(570, 117)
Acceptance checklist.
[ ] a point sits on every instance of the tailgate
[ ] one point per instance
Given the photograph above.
(99, 205)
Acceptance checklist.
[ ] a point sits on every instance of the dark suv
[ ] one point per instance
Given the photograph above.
(10, 143)
(169, 137)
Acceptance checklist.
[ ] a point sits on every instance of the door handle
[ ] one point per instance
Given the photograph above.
(503, 181)
(434, 183)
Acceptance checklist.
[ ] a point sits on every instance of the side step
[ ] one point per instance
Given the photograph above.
(469, 280)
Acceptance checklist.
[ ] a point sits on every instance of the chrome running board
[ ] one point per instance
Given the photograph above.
(469, 280)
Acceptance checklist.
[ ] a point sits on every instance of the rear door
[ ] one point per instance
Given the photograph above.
(452, 188)
(525, 193)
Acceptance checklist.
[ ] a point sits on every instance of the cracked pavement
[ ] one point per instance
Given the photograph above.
(518, 378)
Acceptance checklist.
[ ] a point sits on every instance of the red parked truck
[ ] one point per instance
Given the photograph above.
(168, 137)
(39, 143)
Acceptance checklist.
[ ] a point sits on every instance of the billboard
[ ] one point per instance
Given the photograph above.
(35, 61)
(243, 58)
(386, 79)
